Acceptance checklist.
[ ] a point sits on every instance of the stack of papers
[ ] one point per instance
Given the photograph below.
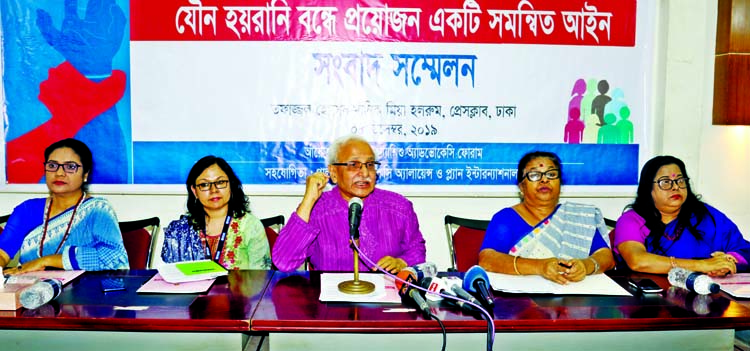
(385, 289)
(597, 284)
(737, 285)
(191, 271)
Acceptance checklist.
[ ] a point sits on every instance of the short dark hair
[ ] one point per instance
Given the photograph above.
(238, 203)
(644, 203)
(537, 154)
(83, 152)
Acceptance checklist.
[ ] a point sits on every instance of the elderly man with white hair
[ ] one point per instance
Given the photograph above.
(319, 229)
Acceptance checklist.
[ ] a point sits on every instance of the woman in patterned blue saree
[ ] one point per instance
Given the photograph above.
(218, 224)
(69, 229)
(539, 236)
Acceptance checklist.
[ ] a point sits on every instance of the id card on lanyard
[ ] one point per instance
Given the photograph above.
(222, 239)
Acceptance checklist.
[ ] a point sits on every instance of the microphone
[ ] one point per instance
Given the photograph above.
(434, 286)
(424, 270)
(454, 285)
(477, 282)
(407, 292)
(355, 213)
(437, 286)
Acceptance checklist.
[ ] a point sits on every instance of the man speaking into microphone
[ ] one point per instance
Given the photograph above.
(325, 221)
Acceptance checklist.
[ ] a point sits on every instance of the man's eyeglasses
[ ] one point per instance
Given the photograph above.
(70, 167)
(666, 183)
(535, 176)
(354, 166)
(219, 184)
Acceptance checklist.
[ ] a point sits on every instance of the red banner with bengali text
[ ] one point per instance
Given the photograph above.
(545, 22)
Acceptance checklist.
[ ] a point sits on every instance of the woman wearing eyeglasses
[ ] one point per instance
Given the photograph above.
(539, 236)
(69, 229)
(218, 225)
(669, 226)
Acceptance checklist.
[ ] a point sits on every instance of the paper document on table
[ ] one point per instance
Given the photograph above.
(737, 285)
(191, 271)
(385, 289)
(597, 284)
(158, 285)
(64, 277)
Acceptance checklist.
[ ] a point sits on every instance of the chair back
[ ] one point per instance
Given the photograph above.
(3, 220)
(14, 260)
(273, 226)
(620, 263)
(138, 237)
(465, 238)
(611, 226)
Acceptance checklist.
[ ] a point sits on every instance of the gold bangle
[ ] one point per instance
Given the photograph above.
(515, 265)
(596, 265)
(672, 262)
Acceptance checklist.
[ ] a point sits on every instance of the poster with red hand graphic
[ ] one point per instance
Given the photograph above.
(66, 69)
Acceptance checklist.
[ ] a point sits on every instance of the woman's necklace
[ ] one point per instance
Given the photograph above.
(67, 230)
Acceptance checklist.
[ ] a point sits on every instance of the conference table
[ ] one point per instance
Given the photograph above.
(294, 318)
(284, 310)
(85, 318)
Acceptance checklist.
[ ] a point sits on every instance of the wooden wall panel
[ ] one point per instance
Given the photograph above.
(732, 64)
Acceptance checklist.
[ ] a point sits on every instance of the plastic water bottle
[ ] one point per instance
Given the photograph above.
(40, 293)
(693, 281)
(425, 270)
(700, 304)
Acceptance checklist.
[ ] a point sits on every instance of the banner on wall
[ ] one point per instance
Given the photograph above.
(448, 92)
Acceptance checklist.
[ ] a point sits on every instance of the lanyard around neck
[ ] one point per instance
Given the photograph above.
(222, 238)
(67, 230)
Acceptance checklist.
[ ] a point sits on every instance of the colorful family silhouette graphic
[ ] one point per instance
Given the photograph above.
(594, 117)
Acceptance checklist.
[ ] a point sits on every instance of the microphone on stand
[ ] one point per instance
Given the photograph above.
(408, 293)
(355, 214)
(477, 282)
(355, 286)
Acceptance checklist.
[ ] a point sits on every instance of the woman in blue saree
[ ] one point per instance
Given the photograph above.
(69, 229)
(539, 236)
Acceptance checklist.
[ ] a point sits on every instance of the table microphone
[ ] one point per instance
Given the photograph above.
(355, 214)
(477, 282)
(436, 286)
(409, 293)
(454, 285)
(355, 286)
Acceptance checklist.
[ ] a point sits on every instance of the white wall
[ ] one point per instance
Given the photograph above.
(717, 156)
